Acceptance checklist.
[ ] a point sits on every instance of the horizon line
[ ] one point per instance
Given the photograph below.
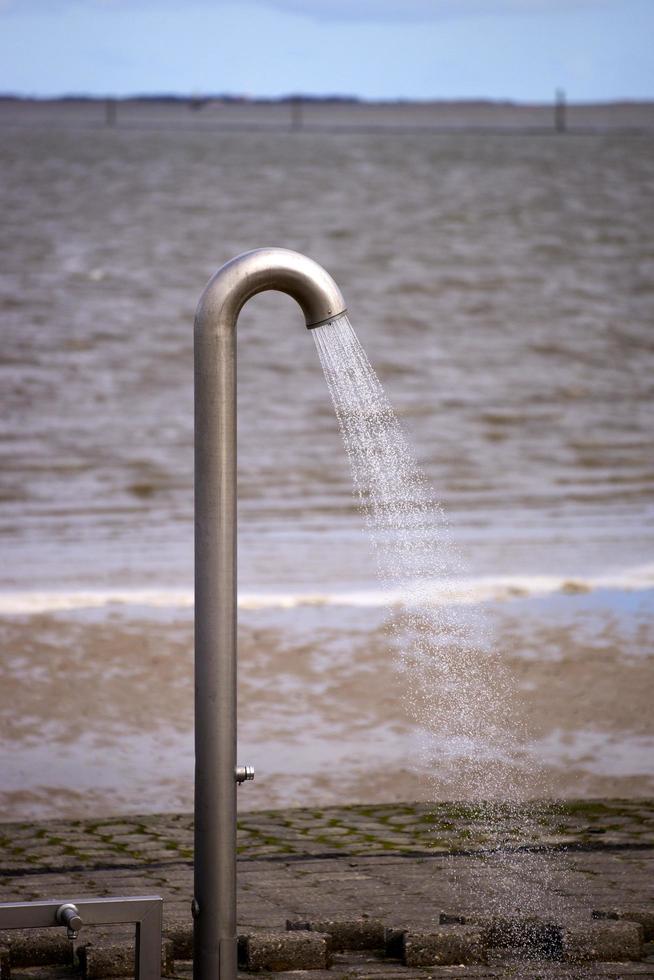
(347, 99)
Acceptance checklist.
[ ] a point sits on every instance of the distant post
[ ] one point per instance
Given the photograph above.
(296, 114)
(110, 112)
(559, 111)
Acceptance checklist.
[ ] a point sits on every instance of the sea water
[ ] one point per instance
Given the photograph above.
(503, 282)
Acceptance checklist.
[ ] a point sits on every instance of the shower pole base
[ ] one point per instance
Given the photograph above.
(213, 963)
(228, 957)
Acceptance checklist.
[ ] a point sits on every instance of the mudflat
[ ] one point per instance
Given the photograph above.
(500, 284)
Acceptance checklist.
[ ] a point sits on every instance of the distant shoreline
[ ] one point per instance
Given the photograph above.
(202, 100)
(330, 115)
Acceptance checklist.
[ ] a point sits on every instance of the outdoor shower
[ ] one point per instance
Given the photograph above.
(216, 770)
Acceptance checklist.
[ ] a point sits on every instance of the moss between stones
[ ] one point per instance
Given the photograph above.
(354, 828)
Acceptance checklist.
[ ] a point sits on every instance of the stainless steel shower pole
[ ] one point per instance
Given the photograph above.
(216, 776)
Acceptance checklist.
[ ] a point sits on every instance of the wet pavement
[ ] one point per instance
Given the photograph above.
(406, 866)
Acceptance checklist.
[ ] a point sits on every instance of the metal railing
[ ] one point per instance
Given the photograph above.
(146, 911)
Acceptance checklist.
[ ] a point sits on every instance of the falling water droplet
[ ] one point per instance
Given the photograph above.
(455, 684)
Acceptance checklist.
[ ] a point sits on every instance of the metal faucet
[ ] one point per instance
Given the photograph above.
(68, 915)
(216, 771)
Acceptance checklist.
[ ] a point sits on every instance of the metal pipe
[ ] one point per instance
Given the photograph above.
(216, 775)
(146, 911)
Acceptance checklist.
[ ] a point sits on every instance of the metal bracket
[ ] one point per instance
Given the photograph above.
(146, 911)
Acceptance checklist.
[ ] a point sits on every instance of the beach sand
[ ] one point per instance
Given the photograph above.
(96, 706)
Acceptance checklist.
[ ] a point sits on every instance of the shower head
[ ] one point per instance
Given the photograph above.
(269, 268)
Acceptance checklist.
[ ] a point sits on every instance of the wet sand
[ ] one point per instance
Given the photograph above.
(96, 707)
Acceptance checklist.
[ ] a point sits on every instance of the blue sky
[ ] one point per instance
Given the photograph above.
(502, 49)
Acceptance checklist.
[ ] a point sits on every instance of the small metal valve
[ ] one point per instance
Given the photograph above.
(68, 915)
(244, 773)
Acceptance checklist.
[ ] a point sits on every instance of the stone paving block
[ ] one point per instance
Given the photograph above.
(5, 970)
(353, 934)
(525, 936)
(167, 958)
(181, 936)
(36, 947)
(117, 960)
(114, 828)
(394, 943)
(644, 914)
(445, 946)
(276, 952)
(607, 942)
(110, 960)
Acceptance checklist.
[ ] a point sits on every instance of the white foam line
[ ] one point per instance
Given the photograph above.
(452, 592)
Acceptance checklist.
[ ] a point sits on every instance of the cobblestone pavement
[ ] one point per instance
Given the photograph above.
(401, 864)
(411, 828)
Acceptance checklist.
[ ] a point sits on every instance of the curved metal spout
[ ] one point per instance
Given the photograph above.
(216, 774)
(269, 268)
